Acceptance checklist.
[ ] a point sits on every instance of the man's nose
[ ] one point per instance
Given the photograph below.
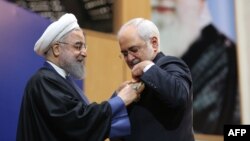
(83, 52)
(130, 57)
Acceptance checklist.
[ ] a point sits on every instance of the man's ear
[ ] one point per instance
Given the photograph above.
(55, 49)
(154, 43)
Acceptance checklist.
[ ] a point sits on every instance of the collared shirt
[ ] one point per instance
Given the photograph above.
(148, 67)
(59, 70)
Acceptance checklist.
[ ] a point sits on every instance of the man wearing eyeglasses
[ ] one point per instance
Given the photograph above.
(164, 110)
(54, 108)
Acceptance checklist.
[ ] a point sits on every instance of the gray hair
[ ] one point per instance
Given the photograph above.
(146, 29)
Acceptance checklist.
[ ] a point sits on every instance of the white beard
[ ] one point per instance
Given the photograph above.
(176, 39)
(177, 32)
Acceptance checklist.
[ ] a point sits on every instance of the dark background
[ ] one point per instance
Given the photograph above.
(91, 14)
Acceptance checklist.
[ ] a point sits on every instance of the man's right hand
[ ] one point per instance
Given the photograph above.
(131, 92)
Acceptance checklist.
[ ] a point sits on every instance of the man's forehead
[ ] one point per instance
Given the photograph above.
(77, 34)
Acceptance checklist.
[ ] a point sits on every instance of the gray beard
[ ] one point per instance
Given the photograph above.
(76, 70)
(73, 67)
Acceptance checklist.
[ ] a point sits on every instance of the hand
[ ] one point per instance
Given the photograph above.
(131, 92)
(137, 70)
(139, 87)
(122, 86)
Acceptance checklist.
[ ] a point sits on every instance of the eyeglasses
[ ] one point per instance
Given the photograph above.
(132, 51)
(78, 45)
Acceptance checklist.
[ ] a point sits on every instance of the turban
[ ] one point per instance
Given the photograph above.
(54, 32)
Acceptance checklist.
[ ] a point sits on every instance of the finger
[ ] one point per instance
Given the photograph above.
(138, 86)
(134, 80)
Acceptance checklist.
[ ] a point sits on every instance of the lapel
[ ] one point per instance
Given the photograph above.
(70, 82)
(158, 58)
(77, 88)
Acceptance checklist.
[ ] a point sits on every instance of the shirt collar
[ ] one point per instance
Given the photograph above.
(59, 70)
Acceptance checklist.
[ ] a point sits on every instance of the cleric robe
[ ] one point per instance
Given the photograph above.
(52, 110)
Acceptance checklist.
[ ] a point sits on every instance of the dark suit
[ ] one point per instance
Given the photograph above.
(164, 112)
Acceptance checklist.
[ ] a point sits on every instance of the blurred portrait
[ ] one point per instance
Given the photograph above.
(187, 30)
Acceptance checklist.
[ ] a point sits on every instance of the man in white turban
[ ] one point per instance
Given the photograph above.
(54, 108)
(55, 32)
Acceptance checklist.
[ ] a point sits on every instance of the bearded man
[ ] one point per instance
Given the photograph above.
(187, 32)
(54, 108)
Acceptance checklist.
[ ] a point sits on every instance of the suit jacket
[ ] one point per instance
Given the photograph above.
(52, 110)
(164, 112)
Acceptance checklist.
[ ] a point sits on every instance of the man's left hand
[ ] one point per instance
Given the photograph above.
(137, 70)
